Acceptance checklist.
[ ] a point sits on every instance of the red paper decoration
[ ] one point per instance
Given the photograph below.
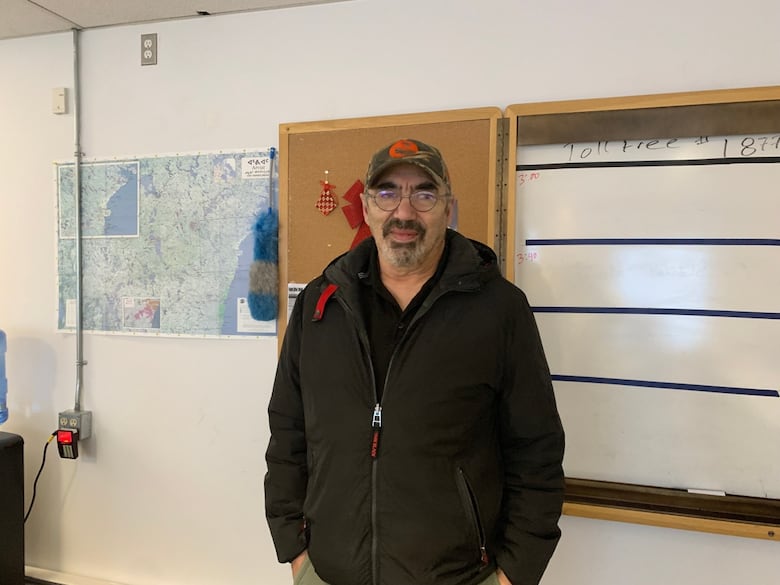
(326, 202)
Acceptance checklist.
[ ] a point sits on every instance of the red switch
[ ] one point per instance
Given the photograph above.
(68, 443)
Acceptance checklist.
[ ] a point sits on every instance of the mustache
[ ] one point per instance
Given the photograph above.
(402, 224)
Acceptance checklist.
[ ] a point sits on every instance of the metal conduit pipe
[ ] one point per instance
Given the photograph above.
(80, 363)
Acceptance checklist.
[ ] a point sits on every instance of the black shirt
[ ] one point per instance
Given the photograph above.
(385, 322)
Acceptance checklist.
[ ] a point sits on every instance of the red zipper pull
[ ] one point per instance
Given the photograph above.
(376, 424)
(484, 556)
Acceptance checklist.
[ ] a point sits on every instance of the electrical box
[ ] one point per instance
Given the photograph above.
(74, 426)
(77, 420)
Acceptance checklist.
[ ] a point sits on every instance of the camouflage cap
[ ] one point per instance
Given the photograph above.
(410, 151)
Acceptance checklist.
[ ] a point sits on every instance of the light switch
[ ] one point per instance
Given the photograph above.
(58, 100)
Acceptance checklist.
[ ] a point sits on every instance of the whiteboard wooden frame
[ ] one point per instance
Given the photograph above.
(679, 522)
(610, 507)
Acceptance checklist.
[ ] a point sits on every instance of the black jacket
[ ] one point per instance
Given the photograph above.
(464, 473)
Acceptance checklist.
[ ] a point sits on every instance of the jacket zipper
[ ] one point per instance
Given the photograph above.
(376, 424)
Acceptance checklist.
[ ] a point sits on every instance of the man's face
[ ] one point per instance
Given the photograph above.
(405, 237)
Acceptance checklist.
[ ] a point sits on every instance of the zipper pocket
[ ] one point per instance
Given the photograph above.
(472, 510)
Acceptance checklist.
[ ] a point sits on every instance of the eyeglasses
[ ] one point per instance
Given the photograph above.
(390, 199)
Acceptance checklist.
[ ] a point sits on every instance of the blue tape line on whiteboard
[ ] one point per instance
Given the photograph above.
(658, 311)
(654, 242)
(668, 385)
(648, 163)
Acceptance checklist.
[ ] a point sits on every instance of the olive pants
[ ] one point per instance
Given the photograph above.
(308, 576)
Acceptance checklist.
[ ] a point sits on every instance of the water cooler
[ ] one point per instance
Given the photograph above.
(11, 509)
(11, 491)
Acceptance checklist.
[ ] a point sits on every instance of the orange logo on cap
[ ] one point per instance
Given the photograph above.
(403, 148)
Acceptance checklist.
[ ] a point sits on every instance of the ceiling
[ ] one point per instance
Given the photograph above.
(22, 18)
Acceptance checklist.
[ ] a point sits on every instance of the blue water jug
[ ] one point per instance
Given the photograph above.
(3, 381)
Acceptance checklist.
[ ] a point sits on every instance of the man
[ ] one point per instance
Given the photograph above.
(415, 438)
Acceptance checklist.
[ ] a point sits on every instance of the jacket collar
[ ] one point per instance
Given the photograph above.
(469, 264)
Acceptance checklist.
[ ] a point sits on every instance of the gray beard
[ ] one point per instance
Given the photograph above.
(404, 255)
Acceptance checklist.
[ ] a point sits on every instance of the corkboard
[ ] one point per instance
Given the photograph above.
(309, 240)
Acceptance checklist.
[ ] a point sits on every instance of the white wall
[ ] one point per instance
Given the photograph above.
(169, 490)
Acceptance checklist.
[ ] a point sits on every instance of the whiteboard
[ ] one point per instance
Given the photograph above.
(653, 268)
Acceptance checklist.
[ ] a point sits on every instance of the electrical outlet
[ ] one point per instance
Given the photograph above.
(149, 49)
(77, 420)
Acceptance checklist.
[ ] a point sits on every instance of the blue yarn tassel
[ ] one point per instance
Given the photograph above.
(263, 295)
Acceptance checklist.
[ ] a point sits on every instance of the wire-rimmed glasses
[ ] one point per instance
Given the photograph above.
(390, 199)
